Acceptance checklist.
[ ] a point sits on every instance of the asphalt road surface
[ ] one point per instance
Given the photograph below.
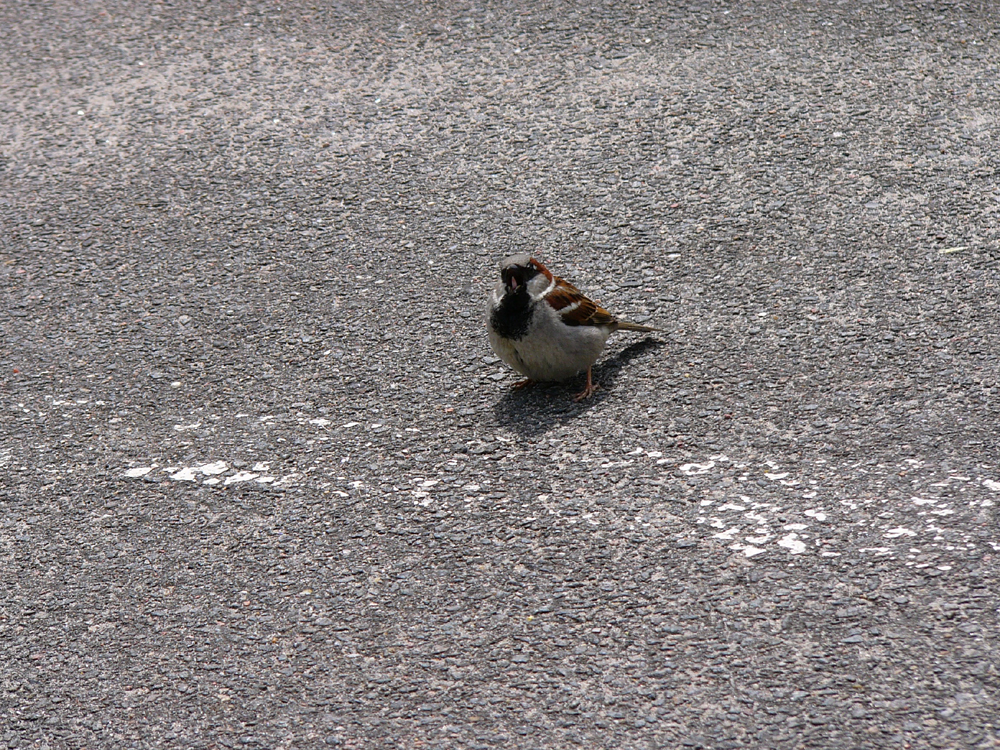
(264, 485)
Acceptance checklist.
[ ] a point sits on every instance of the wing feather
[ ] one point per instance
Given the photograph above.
(576, 309)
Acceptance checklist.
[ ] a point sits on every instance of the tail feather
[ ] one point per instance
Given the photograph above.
(625, 325)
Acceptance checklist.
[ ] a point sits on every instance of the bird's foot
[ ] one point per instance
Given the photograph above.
(588, 391)
(522, 384)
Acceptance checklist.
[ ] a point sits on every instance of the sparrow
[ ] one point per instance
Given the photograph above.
(546, 328)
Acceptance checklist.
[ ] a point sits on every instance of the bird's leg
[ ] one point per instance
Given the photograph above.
(523, 384)
(588, 391)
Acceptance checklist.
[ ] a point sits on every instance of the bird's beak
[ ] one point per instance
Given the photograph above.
(513, 283)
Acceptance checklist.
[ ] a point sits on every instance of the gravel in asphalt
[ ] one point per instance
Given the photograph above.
(264, 484)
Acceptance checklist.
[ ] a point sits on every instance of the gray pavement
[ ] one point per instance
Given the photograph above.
(263, 484)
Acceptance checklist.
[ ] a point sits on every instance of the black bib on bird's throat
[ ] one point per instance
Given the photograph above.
(511, 317)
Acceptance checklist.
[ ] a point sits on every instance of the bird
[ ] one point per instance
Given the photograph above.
(544, 327)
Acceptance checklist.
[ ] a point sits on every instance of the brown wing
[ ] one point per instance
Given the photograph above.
(576, 309)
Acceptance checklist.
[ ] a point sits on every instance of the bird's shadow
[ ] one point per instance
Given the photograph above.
(538, 408)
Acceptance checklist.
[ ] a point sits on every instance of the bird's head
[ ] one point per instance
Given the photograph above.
(518, 271)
